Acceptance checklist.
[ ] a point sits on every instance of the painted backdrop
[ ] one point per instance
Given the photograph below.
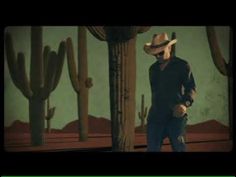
(212, 90)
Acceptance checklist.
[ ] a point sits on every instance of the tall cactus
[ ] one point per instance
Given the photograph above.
(80, 82)
(122, 78)
(143, 113)
(223, 67)
(45, 72)
(49, 115)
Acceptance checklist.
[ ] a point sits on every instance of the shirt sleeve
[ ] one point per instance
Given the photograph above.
(189, 85)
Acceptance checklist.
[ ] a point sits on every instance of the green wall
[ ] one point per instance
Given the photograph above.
(212, 94)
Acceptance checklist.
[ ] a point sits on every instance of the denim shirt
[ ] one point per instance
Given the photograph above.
(174, 85)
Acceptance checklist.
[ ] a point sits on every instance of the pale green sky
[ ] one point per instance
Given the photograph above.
(212, 94)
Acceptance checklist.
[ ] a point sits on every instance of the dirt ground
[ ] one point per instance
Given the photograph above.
(198, 142)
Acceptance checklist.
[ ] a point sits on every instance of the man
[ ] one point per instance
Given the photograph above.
(173, 90)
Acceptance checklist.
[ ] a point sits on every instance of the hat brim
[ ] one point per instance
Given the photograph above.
(153, 51)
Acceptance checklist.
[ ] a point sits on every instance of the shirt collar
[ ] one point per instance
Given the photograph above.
(171, 61)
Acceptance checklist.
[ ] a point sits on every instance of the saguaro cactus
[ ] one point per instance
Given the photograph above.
(80, 82)
(223, 67)
(49, 115)
(45, 72)
(122, 79)
(143, 113)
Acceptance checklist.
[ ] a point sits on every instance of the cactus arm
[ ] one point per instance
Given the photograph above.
(50, 113)
(60, 58)
(46, 53)
(216, 54)
(72, 65)
(98, 32)
(11, 60)
(145, 112)
(50, 76)
(36, 65)
(23, 79)
(139, 115)
(89, 82)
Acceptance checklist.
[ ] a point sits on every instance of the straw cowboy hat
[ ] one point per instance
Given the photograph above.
(159, 43)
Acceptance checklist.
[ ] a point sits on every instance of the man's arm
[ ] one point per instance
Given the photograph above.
(189, 86)
(150, 77)
(189, 92)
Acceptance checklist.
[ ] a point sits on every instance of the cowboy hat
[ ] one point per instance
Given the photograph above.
(158, 44)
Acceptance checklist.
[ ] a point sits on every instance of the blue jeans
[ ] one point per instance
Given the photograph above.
(171, 127)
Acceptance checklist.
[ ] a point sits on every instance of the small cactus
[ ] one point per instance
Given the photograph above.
(142, 115)
(49, 115)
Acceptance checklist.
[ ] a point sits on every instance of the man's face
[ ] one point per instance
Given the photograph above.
(164, 55)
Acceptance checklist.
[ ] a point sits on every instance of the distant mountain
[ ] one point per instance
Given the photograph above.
(18, 127)
(103, 125)
(23, 127)
(210, 126)
(96, 125)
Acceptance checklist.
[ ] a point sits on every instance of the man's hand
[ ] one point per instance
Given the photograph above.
(179, 110)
